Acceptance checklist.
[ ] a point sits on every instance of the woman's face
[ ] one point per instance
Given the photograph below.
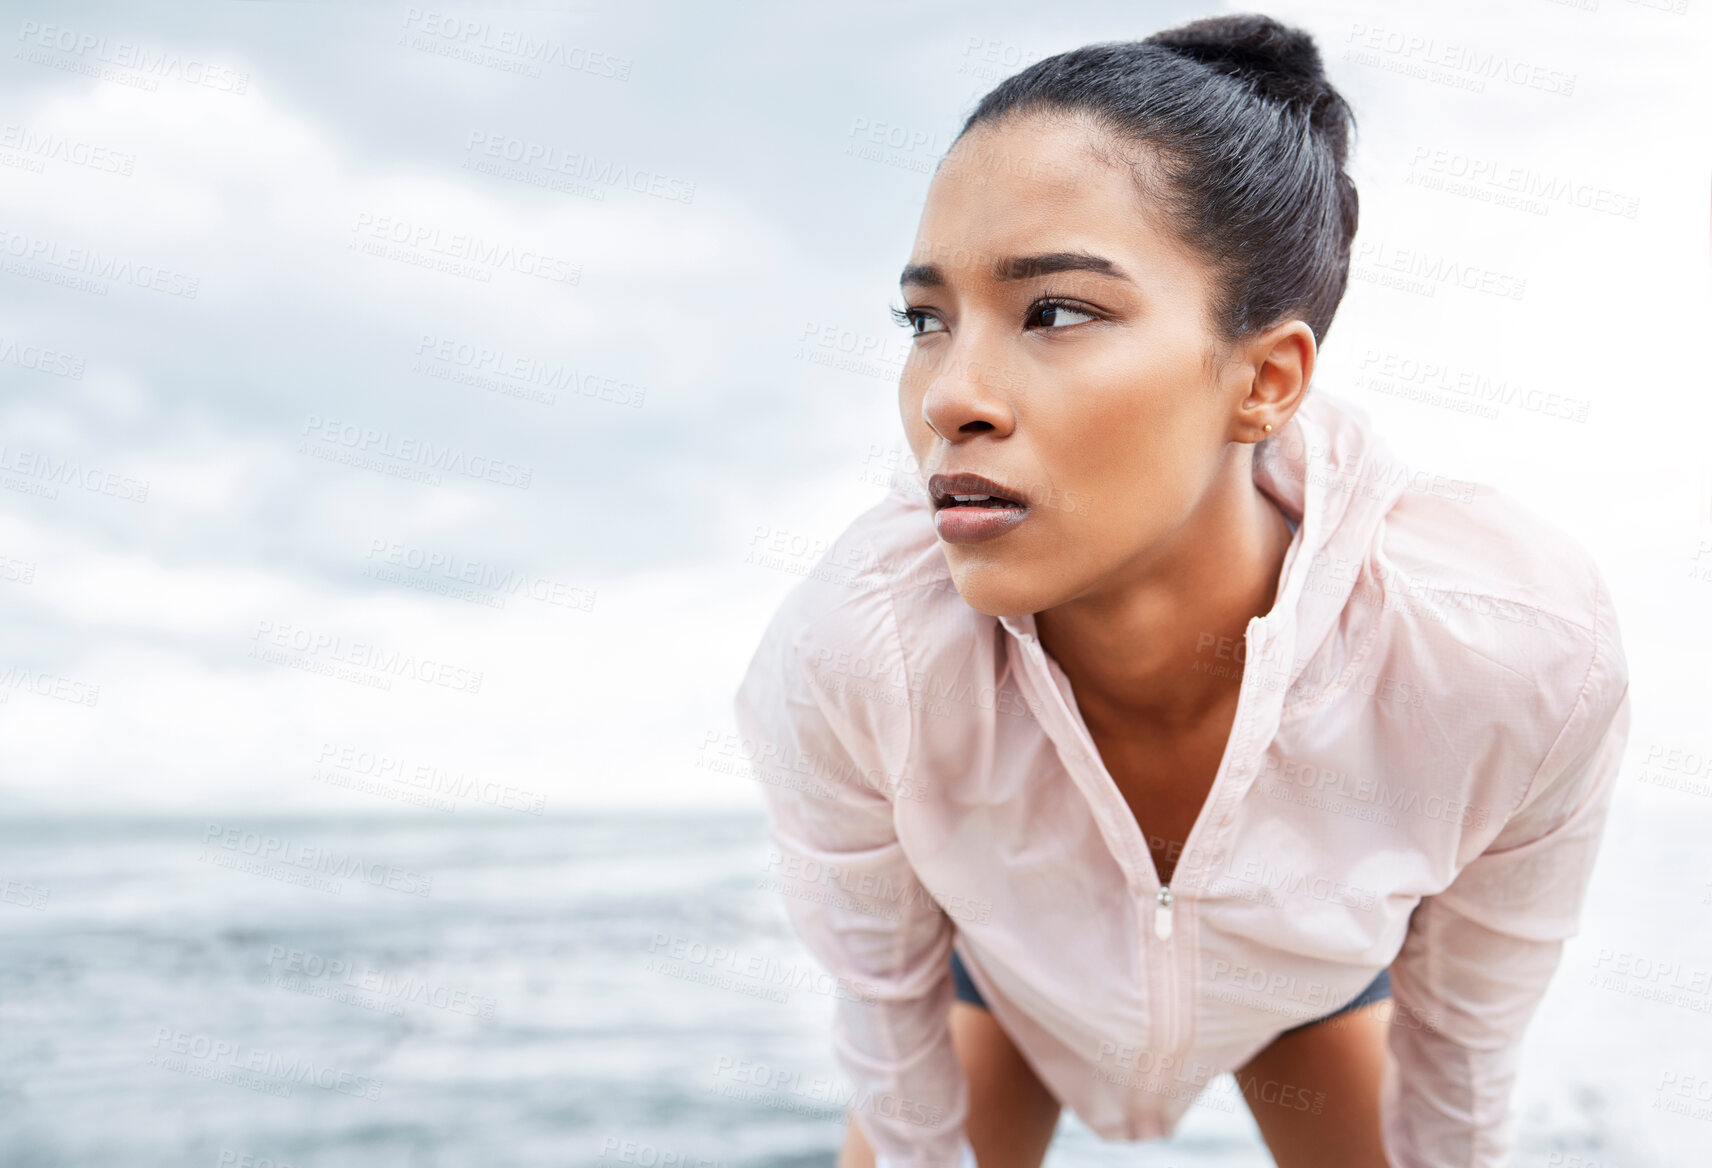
(1062, 350)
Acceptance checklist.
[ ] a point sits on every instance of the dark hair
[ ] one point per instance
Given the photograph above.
(1250, 140)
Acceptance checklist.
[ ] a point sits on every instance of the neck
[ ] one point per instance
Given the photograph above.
(1154, 653)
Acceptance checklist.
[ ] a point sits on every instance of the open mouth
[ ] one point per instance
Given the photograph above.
(951, 491)
(970, 508)
(977, 501)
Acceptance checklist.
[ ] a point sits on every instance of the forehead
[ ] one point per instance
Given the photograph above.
(1041, 183)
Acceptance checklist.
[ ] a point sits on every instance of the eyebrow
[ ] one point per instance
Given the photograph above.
(1020, 268)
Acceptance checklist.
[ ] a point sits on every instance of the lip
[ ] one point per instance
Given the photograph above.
(973, 524)
(942, 486)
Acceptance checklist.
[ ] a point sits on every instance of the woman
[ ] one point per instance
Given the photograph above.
(1170, 721)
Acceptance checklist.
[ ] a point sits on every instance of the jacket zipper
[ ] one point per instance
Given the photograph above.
(1162, 923)
(1167, 990)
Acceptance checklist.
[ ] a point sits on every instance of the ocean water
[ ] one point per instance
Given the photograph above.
(325, 993)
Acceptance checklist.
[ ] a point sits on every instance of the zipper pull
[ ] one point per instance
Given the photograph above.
(1162, 917)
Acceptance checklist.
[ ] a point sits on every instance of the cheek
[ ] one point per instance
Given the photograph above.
(1118, 436)
(909, 395)
(1128, 469)
(917, 434)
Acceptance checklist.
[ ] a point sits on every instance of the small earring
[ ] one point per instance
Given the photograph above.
(1269, 427)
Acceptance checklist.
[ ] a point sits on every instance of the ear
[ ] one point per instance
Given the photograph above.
(1270, 376)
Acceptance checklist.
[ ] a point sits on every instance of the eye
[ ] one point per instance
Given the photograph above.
(916, 321)
(1058, 313)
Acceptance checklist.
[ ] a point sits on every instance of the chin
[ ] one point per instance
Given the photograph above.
(994, 592)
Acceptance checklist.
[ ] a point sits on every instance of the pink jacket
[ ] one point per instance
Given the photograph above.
(1431, 722)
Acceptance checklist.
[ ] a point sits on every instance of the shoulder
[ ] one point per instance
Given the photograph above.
(886, 561)
(1496, 574)
(1506, 618)
(1479, 538)
(846, 636)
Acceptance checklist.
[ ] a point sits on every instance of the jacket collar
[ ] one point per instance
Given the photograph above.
(1329, 469)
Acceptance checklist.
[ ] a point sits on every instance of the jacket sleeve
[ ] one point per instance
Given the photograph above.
(828, 762)
(1478, 956)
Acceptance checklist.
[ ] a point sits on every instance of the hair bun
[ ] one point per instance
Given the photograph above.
(1283, 62)
(1278, 62)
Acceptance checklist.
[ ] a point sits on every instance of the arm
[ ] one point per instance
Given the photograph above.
(1478, 956)
(824, 774)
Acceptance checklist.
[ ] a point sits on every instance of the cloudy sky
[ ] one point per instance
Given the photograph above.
(495, 338)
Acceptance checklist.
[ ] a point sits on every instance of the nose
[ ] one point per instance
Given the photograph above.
(964, 398)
